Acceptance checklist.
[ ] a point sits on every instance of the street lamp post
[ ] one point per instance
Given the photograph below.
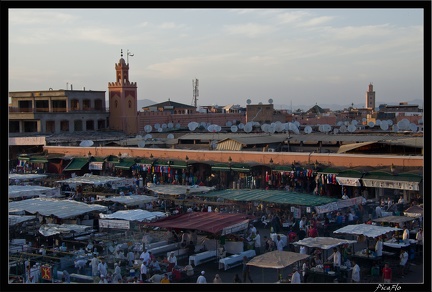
(229, 173)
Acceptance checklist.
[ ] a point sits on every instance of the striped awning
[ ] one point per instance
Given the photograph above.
(270, 196)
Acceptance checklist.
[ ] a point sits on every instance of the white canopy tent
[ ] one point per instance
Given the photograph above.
(62, 209)
(323, 242)
(17, 191)
(26, 176)
(98, 180)
(177, 190)
(64, 229)
(135, 215)
(130, 200)
(367, 230)
(17, 219)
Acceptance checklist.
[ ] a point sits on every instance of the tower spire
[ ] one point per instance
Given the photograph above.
(121, 53)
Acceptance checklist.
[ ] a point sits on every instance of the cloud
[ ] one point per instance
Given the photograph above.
(316, 21)
(249, 30)
(293, 16)
(171, 25)
(37, 16)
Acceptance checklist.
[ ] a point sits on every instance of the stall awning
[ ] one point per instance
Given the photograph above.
(178, 164)
(76, 164)
(95, 165)
(349, 178)
(125, 164)
(210, 222)
(388, 181)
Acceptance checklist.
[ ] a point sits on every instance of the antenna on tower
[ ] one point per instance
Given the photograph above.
(121, 53)
(127, 56)
(195, 83)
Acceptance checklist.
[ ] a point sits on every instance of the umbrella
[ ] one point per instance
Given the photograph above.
(276, 259)
(414, 211)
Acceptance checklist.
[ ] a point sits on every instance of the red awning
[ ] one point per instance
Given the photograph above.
(211, 222)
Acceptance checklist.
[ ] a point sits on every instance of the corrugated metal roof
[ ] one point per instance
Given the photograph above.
(409, 142)
(271, 196)
(349, 147)
(58, 208)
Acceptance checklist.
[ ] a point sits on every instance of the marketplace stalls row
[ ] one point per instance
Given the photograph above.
(29, 191)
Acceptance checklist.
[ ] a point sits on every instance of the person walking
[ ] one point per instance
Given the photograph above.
(355, 276)
(295, 278)
(257, 243)
(386, 273)
(336, 256)
(217, 279)
(246, 270)
(419, 238)
(379, 247)
(201, 279)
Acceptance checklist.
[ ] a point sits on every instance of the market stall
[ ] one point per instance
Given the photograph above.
(276, 260)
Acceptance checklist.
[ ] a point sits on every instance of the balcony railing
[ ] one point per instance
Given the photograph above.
(53, 110)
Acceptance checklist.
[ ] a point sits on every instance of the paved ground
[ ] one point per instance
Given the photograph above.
(260, 275)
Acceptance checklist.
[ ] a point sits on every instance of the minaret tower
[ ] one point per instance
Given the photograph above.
(123, 100)
(370, 98)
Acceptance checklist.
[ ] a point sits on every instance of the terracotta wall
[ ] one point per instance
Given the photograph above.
(279, 158)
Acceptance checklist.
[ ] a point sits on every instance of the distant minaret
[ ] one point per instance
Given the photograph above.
(123, 100)
(370, 97)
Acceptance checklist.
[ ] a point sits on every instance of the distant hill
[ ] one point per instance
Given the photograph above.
(144, 102)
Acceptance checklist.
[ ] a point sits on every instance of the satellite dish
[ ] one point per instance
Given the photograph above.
(148, 137)
(170, 136)
(354, 122)
(177, 126)
(413, 127)
(403, 124)
(157, 126)
(170, 125)
(384, 126)
(241, 126)
(364, 120)
(371, 124)
(272, 129)
(297, 123)
(340, 123)
(308, 129)
(270, 101)
(247, 128)
(192, 126)
(138, 137)
(395, 128)
(234, 129)
(351, 128)
(346, 123)
(148, 128)
(335, 131)
(248, 101)
(160, 130)
(378, 122)
(228, 124)
(86, 143)
(141, 144)
(390, 122)
(265, 127)
(342, 129)
(164, 126)
(260, 103)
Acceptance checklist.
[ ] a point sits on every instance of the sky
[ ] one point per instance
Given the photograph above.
(292, 56)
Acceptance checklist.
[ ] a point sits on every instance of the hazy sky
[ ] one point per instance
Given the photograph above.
(293, 56)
